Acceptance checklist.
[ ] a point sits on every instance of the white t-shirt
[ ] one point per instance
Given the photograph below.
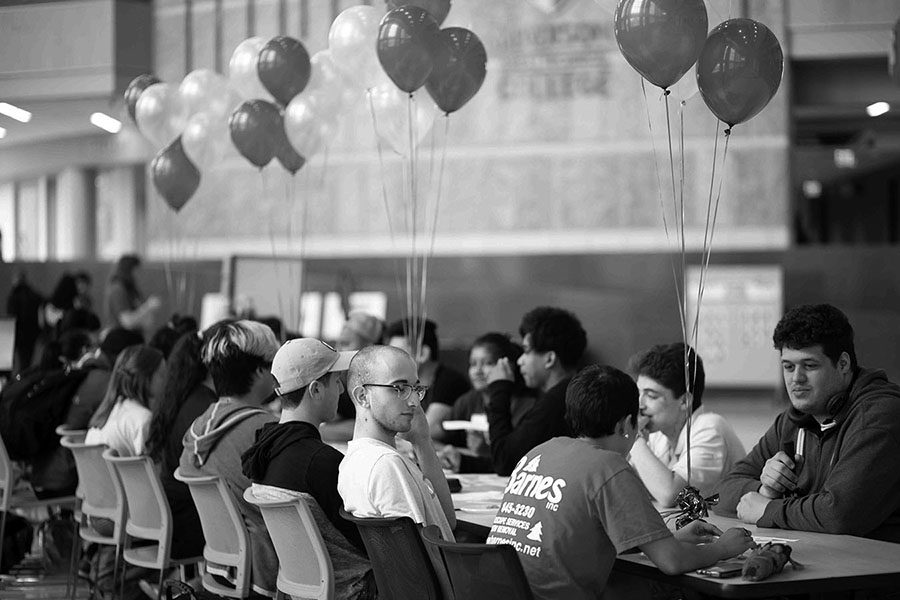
(715, 448)
(125, 430)
(375, 480)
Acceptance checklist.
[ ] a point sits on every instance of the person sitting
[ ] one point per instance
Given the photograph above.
(444, 384)
(831, 461)
(553, 341)
(289, 459)
(359, 330)
(579, 504)
(238, 355)
(123, 418)
(374, 479)
(485, 352)
(660, 452)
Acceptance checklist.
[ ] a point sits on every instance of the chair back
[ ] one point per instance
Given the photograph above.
(76, 435)
(399, 559)
(100, 494)
(304, 565)
(149, 515)
(227, 540)
(7, 482)
(481, 571)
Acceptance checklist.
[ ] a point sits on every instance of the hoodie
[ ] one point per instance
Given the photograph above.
(849, 480)
(213, 445)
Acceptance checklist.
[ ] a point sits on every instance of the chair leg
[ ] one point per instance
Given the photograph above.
(73, 562)
(162, 578)
(2, 532)
(116, 572)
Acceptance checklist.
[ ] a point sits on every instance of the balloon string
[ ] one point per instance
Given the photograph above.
(276, 266)
(678, 290)
(704, 256)
(688, 380)
(414, 203)
(167, 262)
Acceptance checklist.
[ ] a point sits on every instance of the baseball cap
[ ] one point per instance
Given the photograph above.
(301, 361)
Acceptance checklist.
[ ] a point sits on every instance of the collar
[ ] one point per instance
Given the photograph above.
(682, 437)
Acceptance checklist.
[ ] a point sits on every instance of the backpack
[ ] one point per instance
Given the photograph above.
(31, 408)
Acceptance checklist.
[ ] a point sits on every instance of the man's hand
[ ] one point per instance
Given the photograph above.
(502, 371)
(736, 541)
(642, 422)
(450, 457)
(698, 532)
(419, 431)
(778, 475)
(751, 507)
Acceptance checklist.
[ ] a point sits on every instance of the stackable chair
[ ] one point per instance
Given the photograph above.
(149, 516)
(479, 571)
(11, 499)
(304, 566)
(75, 435)
(101, 496)
(399, 560)
(227, 540)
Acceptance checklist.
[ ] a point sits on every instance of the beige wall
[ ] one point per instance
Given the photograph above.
(553, 155)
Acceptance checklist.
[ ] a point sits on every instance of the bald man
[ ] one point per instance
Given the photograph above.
(374, 479)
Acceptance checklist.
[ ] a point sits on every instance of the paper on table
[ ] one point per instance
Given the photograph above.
(490, 496)
(464, 426)
(762, 539)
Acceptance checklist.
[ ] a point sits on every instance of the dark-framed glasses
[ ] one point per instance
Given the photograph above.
(404, 390)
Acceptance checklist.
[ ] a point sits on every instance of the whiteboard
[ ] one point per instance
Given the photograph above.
(741, 306)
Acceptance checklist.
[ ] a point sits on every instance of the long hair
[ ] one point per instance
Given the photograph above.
(130, 379)
(186, 371)
(123, 273)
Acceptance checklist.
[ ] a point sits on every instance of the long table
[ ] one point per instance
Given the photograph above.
(832, 563)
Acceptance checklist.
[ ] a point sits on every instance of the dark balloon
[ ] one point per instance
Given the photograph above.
(407, 45)
(135, 89)
(661, 39)
(289, 158)
(174, 175)
(739, 69)
(459, 69)
(254, 129)
(436, 8)
(283, 67)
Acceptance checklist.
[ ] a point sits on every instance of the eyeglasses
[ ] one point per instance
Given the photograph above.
(404, 390)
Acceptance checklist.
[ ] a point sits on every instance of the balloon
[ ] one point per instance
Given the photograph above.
(289, 159)
(174, 176)
(407, 46)
(160, 114)
(135, 89)
(283, 67)
(661, 39)
(254, 131)
(458, 71)
(352, 40)
(392, 116)
(739, 69)
(436, 8)
(328, 91)
(306, 131)
(242, 69)
(206, 140)
(204, 90)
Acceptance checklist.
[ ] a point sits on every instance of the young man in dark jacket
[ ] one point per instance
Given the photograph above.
(553, 341)
(831, 462)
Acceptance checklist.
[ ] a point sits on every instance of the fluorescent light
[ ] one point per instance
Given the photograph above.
(14, 112)
(878, 108)
(2, 133)
(106, 122)
(844, 158)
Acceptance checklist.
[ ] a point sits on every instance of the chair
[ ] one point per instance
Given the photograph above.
(304, 565)
(149, 516)
(76, 435)
(399, 559)
(101, 496)
(480, 571)
(227, 540)
(24, 499)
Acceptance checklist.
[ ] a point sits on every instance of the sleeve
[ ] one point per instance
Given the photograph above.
(508, 443)
(744, 477)
(708, 454)
(626, 513)
(393, 492)
(860, 491)
(139, 430)
(322, 484)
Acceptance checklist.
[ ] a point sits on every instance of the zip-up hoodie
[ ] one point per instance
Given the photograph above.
(213, 445)
(849, 479)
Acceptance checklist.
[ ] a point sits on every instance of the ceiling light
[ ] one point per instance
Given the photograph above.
(106, 122)
(2, 133)
(878, 108)
(14, 112)
(844, 158)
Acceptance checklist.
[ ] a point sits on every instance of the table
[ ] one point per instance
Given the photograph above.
(832, 562)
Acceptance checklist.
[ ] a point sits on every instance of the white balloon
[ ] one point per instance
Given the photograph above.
(160, 113)
(307, 131)
(242, 70)
(391, 107)
(204, 90)
(352, 39)
(206, 140)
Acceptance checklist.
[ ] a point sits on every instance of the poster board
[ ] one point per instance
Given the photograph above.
(7, 344)
(741, 306)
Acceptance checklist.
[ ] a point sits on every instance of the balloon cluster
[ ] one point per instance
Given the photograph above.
(277, 102)
(739, 64)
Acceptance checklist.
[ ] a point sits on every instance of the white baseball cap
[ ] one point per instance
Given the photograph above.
(300, 362)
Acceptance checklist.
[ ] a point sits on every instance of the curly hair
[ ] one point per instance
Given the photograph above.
(555, 329)
(816, 325)
(664, 364)
(597, 398)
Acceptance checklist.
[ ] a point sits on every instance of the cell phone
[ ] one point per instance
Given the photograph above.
(454, 484)
(723, 570)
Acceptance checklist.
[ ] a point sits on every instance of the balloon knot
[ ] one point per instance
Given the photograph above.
(728, 132)
(666, 92)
